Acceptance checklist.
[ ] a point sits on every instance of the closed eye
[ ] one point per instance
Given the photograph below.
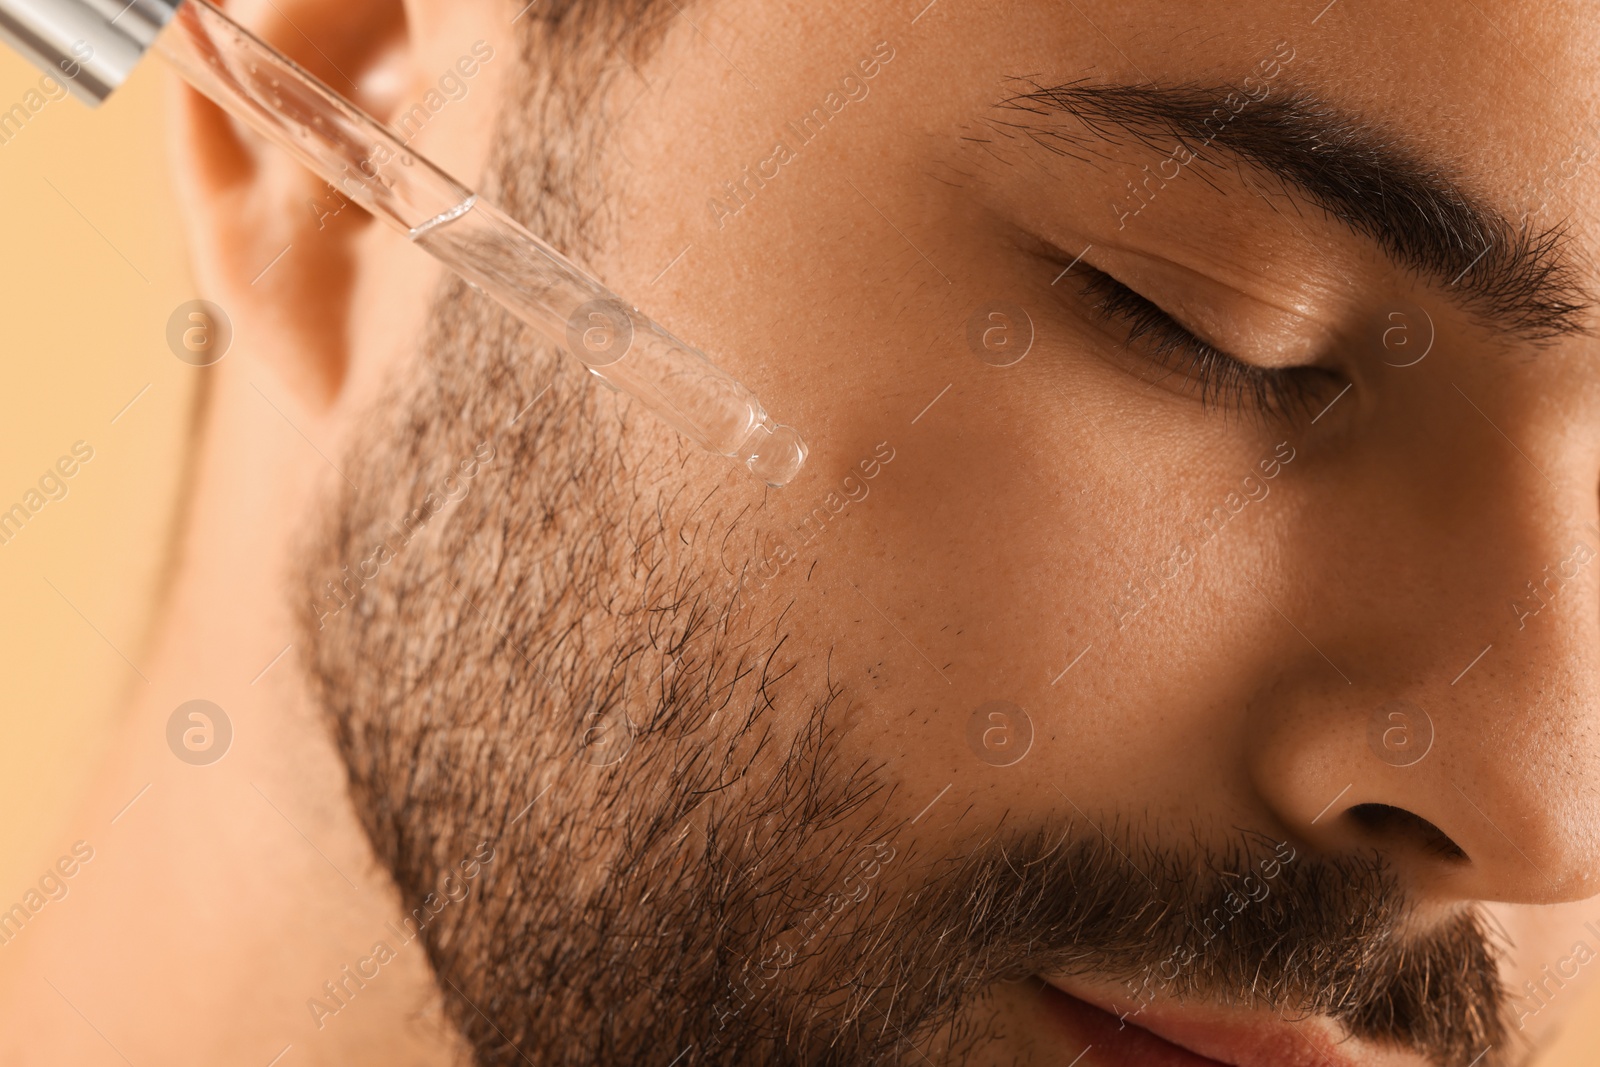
(1215, 378)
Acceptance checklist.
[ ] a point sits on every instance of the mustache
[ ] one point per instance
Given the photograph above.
(1258, 923)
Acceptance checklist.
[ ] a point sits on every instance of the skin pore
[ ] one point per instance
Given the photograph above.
(673, 762)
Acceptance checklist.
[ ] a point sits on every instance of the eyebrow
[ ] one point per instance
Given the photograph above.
(1423, 218)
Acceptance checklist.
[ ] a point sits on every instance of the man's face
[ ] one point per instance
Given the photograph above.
(1182, 636)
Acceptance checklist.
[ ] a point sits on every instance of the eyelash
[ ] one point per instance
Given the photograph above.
(1219, 380)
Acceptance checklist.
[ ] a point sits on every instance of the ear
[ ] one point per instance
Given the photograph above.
(272, 243)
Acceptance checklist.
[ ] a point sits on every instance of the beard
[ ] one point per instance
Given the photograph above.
(621, 805)
(627, 822)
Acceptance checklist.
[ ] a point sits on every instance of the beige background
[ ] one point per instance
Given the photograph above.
(93, 267)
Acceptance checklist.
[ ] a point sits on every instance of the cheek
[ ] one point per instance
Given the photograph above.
(990, 548)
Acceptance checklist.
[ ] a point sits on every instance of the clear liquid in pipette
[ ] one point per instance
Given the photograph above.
(683, 387)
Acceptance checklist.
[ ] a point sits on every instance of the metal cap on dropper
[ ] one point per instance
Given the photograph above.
(90, 46)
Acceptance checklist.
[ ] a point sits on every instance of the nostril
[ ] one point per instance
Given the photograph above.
(1392, 824)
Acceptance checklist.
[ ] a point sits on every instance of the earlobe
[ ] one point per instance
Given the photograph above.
(270, 242)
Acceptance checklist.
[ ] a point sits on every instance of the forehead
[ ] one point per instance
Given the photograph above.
(1504, 91)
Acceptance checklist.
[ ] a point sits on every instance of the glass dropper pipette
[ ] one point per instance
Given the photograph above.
(91, 44)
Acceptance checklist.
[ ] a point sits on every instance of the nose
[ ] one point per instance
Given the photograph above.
(1440, 703)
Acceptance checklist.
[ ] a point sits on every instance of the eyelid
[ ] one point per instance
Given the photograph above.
(1219, 378)
(1291, 318)
(1124, 298)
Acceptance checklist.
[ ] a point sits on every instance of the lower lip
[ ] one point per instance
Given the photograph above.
(1115, 1042)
